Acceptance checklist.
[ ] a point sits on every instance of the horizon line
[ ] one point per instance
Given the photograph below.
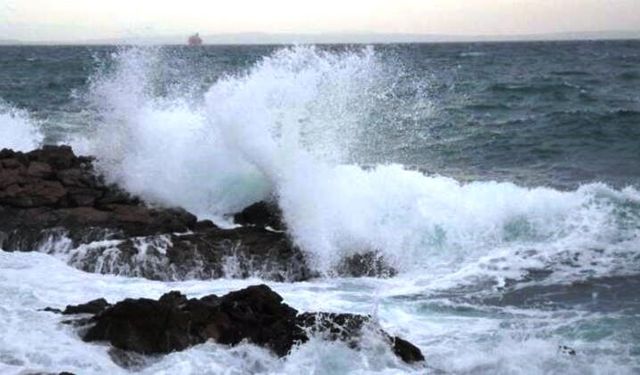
(356, 37)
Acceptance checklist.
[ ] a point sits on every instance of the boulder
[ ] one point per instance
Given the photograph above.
(255, 314)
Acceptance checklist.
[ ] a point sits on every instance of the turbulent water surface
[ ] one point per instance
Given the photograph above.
(501, 181)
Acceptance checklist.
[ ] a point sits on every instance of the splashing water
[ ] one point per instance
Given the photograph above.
(18, 130)
(473, 258)
(289, 127)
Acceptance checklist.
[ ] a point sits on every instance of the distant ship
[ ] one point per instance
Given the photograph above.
(195, 40)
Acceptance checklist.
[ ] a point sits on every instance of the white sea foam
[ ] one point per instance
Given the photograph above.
(288, 127)
(468, 340)
(18, 130)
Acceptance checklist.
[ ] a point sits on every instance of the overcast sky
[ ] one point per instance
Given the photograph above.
(68, 20)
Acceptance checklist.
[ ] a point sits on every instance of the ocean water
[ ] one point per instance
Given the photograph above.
(502, 181)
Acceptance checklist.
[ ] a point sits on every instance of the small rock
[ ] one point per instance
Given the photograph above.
(261, 214)
(566, 350)
(92, 307)
(369, 264)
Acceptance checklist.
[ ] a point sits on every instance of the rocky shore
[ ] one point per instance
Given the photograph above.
(54, 201)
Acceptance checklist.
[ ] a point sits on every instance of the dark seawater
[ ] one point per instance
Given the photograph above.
(501, 180)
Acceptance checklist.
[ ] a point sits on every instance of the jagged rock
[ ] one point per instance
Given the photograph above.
(51, 187)
(92, 307)
(49, 195)
(256, 314)
(205, 254)
(349, 327)
(261, 214)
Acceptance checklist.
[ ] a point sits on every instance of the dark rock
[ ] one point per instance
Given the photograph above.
(130, 360)
(175, 323)
(79, 196)
(261, 214)
(52, 310)
(256, 314)
(204, 225)
(59, 157)
(406, 350)
(39, 170)
(50, 196)
(369, 264)
(92, 307)
(214, 253)
(34, 194)
(53, 177)
(566, 350)
(344, 327)
(143, 326)
(348, 328)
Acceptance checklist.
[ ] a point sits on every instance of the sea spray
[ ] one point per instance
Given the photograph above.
(495, 278)
(291, 126)
(160, 148)
(18, 130)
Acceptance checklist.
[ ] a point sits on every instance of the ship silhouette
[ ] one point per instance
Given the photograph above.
(195, 40)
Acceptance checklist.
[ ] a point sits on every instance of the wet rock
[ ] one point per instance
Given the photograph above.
(28, 194)
(406, 350)
(256, 314)
(261, 214)
(52, 310)
(343, 327)
(349, 328)
(174, 322)
(51, 187)
(59, 157)
(566, 350)
(369, 264)
(51, 198)
(39, 170)
(132, 361)
(92, 307)
(205, 254)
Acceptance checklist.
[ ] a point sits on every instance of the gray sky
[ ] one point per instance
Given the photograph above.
(68, 20)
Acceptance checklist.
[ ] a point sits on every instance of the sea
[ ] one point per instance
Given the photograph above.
(501, 181)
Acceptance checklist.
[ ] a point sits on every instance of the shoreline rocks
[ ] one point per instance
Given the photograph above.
(256, 314)
(53, 201)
